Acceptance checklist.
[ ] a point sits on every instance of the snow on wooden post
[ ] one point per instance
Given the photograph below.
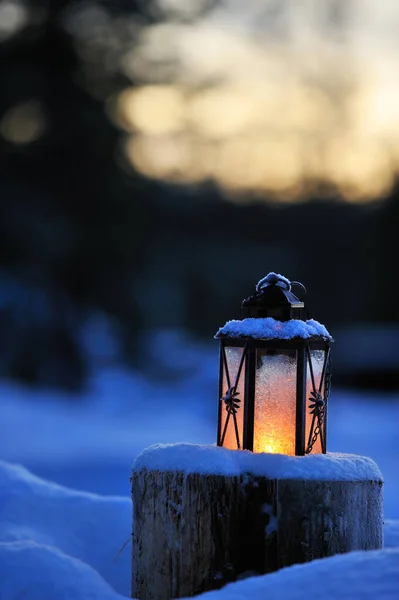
(205, 515)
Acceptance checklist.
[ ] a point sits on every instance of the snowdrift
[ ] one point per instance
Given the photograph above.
(44, 525)
(36, 572)
(356, 576)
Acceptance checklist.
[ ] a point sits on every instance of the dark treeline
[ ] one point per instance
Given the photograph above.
(79, 231)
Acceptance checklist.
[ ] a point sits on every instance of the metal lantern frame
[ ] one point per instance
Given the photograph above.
(316, 403)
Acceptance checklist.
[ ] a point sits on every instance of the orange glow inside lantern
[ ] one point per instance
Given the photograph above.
(275, 403)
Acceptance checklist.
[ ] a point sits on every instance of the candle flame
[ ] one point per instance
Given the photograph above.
(275, 446)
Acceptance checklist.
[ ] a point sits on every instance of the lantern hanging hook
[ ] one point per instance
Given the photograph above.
(299, 284)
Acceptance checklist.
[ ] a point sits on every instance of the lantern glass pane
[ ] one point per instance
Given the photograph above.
(233, 358)
(317, 358)
(275, 401)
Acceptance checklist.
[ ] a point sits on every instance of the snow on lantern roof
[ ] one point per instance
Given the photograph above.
(270, 329)
(273, 278)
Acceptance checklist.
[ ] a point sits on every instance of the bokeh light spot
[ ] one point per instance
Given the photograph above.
(23, 123)
(152, 109)
(14, 16)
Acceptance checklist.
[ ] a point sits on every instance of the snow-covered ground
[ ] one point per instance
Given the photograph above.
(58, 534)
(61, 544)
(354, 576)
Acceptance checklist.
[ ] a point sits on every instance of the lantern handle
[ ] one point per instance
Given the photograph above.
(272, 279)
(299, 284)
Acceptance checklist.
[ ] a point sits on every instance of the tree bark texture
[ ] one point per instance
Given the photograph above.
(194, 532)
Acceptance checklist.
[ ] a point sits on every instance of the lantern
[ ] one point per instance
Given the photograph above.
(275, 374)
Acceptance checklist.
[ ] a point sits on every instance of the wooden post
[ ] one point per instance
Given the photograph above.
(194, 532)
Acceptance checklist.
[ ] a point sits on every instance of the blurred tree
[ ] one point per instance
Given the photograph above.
(70, 220)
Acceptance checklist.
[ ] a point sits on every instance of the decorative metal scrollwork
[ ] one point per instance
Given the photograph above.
(231, 400)
(318, 404)
(317, 408)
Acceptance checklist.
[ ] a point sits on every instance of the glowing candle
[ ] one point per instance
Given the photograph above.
(275, 402)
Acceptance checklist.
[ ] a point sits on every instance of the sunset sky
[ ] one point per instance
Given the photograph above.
(261, 97)
(265, 98)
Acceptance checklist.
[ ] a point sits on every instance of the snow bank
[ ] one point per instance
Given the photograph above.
(36, 572)
(191, 458)
(85, 526)
(270, 329)
(110, 422)
(372, 575)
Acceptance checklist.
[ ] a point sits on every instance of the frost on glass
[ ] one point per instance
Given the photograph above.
(317, 357)
(275, 402)
(233, 356)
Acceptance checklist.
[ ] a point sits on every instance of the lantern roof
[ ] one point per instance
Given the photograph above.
(271, 329)
(274, 298)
